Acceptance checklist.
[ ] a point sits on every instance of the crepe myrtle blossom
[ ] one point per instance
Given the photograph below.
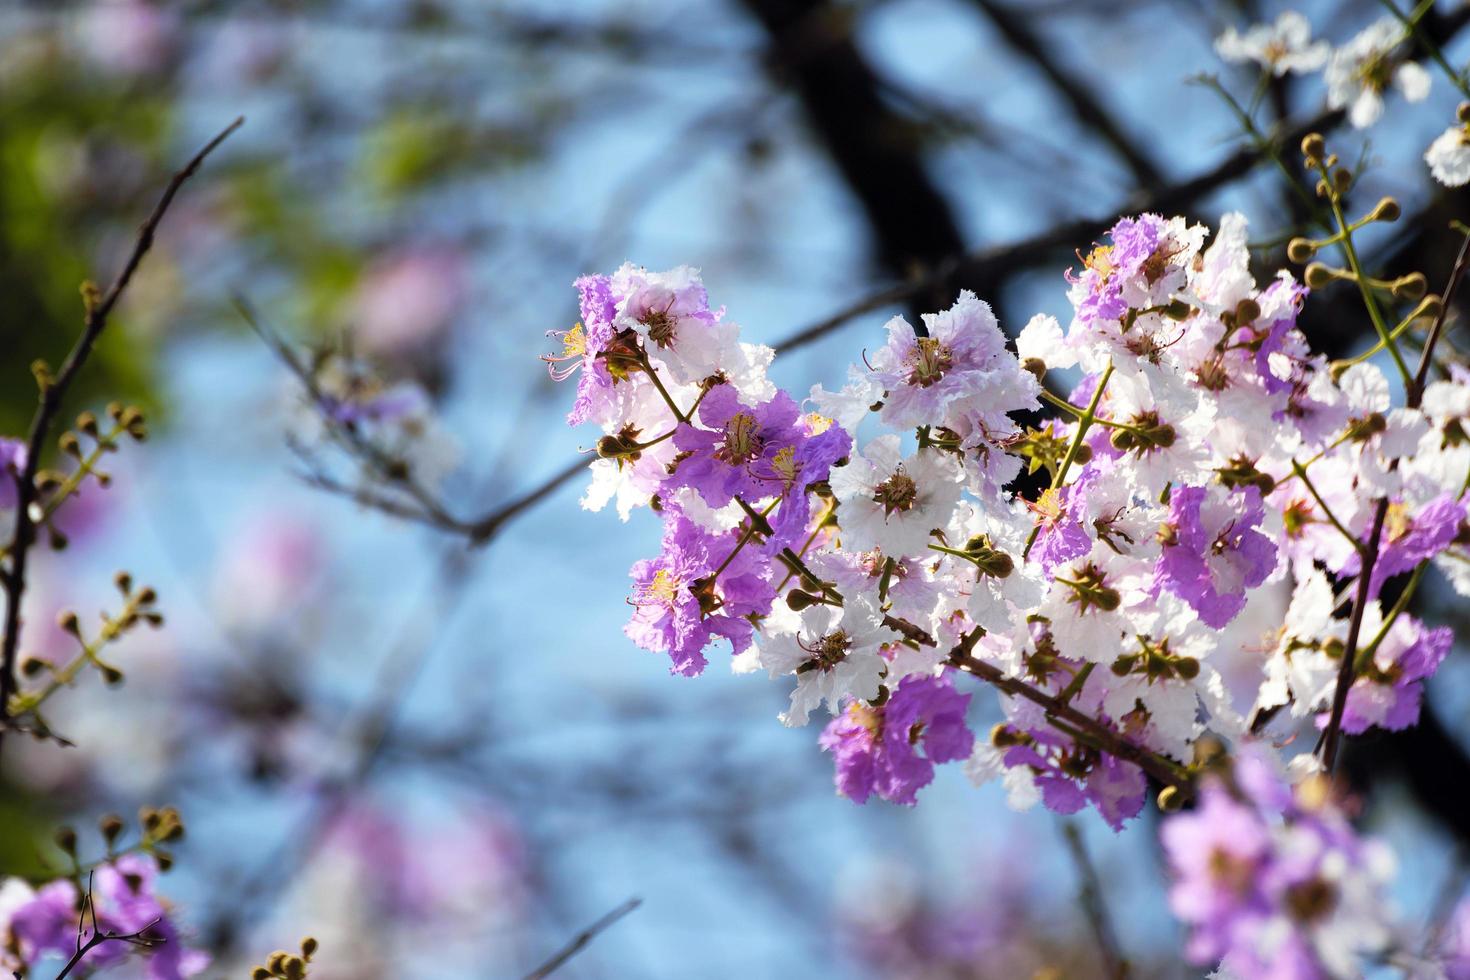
(1173, 496)
(1214, 551)
(1449, 155)
(1039, 763)
(41, 925)
(588, 351)
(891, 749)
(694, 593)
(834, 653)
(1272, 880)
(1141, 269)
(959, 375)
(1413, 535)
(1389, 689)
(1280, 47)
(754, 451)
(894, 502)
(1083, 604)
(670, 312)
(1361, 72)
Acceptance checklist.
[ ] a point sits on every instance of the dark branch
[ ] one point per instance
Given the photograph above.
(583, 939)
(53, 392)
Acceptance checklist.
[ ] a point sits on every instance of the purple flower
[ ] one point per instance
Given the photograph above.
(12, 464)
(877, 750)
(583, 348)
(1410, 538)
(1069, 776)
(1110, 270)
(1389, 690)
(960, 371)
(125, 903)
(1272, 880)
(681, 605)
(1285, 295)
(1060, 535)
(1213, 551)
(1216, 853)
(742, 450)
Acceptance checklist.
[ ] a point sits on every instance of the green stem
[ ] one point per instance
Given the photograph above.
(1369, 300)
(1301, 471)
(1083, 424)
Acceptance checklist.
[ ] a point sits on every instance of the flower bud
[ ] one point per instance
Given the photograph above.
(1385, 210)
(66, 839)
(1178, 310)
(1313, 146)
(1462, 113)
(1035, 366)
(1410, 287)
(1318, 275)
(1247, 311)
(1003, 736)
(111, 826)
(797, 600)
(1170, 799)
(1187, 668)
(1300, 250)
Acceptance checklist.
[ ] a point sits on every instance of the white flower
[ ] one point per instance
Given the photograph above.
(834, 654)
(668, 310)
(1362, 70)
(891, 502)
(1285, 46)
(1224, 277)
(1083, 606)
(1449, 157)
(849, 405)
(1041, 339)
(632, 482)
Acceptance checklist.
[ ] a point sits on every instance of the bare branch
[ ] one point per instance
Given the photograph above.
(53, 392)
(583, 939)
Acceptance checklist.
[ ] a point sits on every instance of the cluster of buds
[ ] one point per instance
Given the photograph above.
(283, 965)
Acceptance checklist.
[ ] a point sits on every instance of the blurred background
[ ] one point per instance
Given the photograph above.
(427, 743)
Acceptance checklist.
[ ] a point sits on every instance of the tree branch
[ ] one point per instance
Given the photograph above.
(53, 392)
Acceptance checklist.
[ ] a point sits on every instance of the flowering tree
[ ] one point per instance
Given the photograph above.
(1206, 452)
(1165, 557)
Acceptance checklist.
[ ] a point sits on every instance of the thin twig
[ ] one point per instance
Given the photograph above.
(583, 939)
(140, 938)
(53, 392)
(1346, 673)
(1093, 904)
(422, 506)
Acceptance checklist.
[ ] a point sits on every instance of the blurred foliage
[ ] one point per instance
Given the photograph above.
(74, 157)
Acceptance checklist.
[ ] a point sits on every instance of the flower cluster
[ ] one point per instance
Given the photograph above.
(1360, 75)
(1272, 880)
(1205, 453)
(1096, 567)
(49, 924)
